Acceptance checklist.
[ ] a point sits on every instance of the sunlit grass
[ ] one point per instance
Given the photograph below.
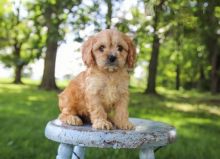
(60, 83)
(25, 110)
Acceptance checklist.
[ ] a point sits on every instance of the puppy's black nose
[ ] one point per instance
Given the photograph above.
(112, 58)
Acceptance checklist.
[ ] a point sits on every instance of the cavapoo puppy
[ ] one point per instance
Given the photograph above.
(100, 93)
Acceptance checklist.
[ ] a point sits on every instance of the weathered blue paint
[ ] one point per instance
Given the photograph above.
(64, 151)
(147, 135)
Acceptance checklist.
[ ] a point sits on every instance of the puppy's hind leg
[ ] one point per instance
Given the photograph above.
(68, 114)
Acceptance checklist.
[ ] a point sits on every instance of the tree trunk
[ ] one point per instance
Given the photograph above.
(151, 85)
(178, 43)
(48, 80)
(218, 90)
(151, 82)
(177, 77)
(214, 73)
(18, 63)
(201, 83)
(201, 74)
(17, 77)
(109, 14)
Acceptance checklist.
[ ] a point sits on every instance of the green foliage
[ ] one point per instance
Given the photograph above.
(185, 40)
(188, 31)
(19, 44)
(217, 12)
(53, 15)
(195, 115)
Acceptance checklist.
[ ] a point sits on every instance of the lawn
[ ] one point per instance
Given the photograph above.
(25, 110)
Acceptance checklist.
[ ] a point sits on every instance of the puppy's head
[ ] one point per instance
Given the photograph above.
(110, 50)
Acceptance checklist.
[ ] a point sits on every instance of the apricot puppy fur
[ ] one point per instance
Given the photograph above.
(100, 93)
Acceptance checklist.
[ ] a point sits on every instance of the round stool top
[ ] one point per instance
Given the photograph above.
(146, 133)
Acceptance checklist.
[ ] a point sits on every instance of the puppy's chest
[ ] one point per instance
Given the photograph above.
(108, 88)
(112, 91)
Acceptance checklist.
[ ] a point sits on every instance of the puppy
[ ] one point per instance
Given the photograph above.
(101, 92)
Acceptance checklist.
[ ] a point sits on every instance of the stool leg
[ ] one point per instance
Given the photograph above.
(78, 152)
(64, 151)
(146, 153)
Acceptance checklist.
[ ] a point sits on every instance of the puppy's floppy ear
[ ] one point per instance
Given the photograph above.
(131, 52)
(87, 54)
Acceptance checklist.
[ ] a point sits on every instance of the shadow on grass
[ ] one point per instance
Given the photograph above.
(186, 107)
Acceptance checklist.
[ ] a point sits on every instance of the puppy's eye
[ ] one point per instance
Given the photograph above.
(120, 48)
(101, 48)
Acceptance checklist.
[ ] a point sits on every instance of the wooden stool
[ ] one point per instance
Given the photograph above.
(148, 136)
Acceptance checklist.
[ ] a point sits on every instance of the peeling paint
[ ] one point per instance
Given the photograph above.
(146, 133)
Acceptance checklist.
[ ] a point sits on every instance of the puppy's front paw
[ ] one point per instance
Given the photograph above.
(125, 126)
(71, 120)
(102, 124)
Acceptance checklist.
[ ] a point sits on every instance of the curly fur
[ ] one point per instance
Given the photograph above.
(100, 93)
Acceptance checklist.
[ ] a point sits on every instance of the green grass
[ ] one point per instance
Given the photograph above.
(25, 110)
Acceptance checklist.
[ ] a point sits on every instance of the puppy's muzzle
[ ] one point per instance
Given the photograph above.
(111, 63)
(112, 59)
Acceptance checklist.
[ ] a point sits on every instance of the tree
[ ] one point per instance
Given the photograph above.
(19, 45)
(109, 14)
(208, 12)
(151, 84)
(176, 23)
(183, 60)
(53, 15)
(183, 25)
